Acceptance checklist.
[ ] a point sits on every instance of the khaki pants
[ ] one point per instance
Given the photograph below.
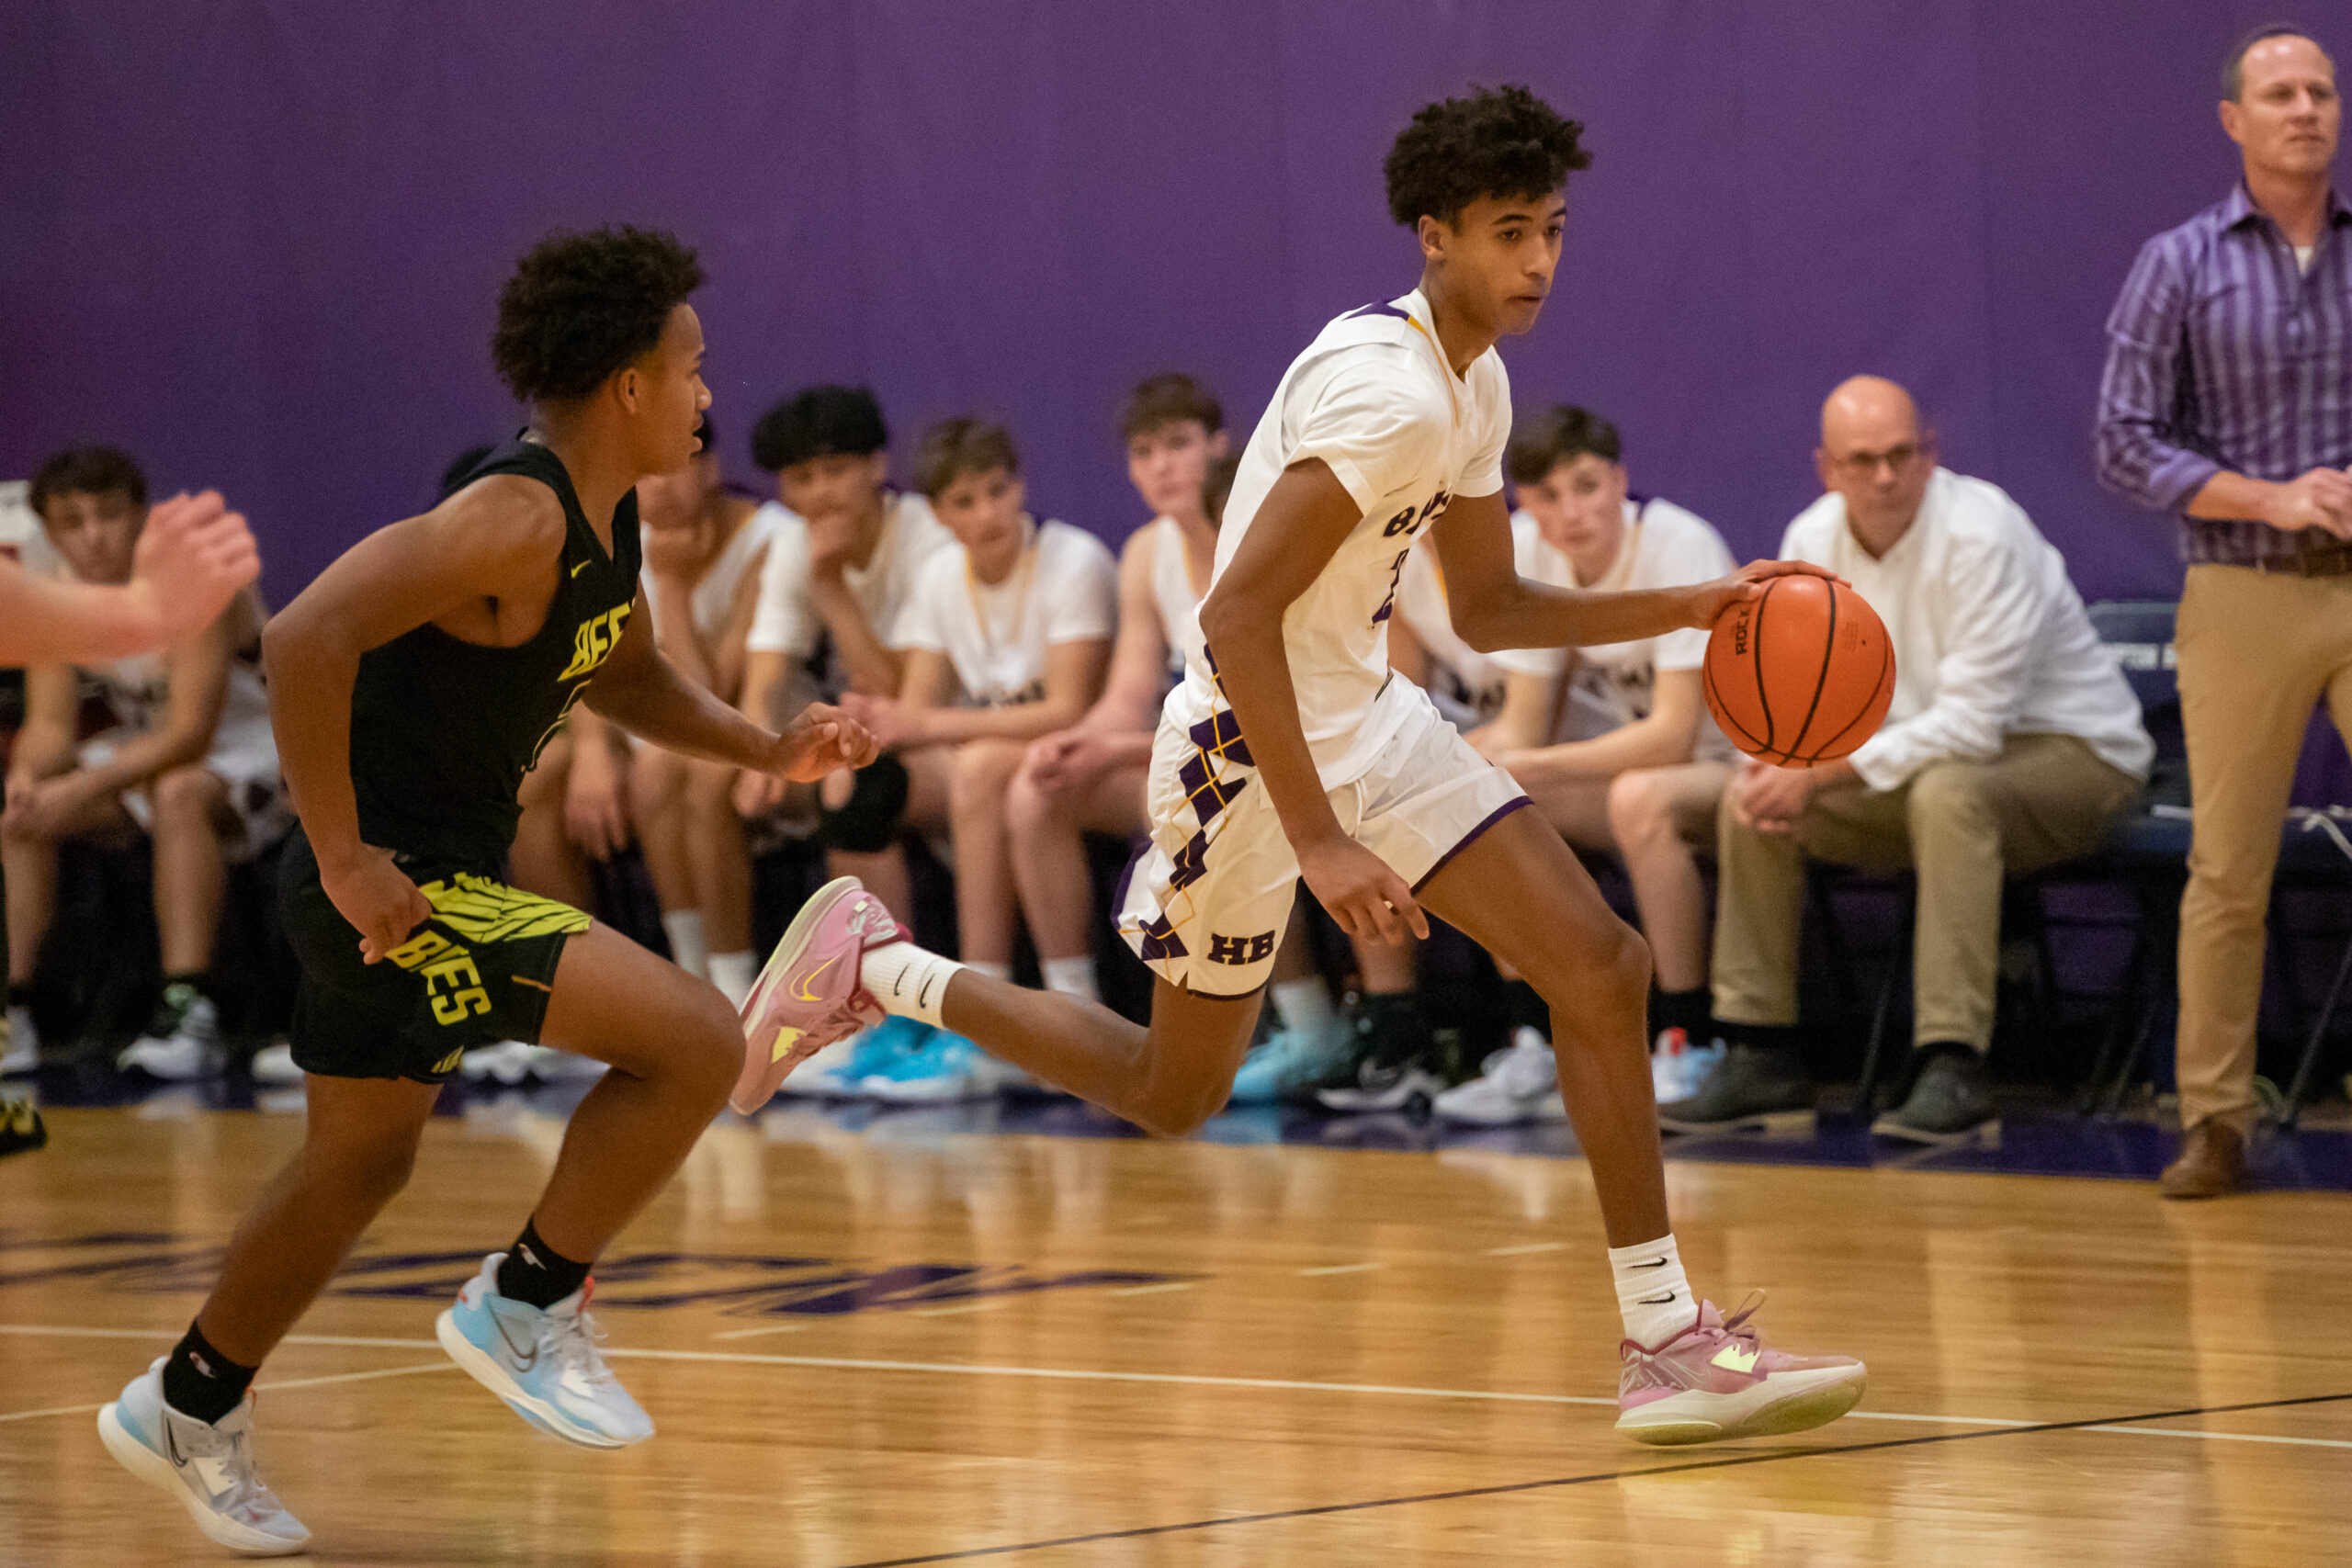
(2046, 798)
(2257, 653)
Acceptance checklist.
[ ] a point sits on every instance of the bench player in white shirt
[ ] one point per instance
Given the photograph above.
(190, 762)
(1289, 751)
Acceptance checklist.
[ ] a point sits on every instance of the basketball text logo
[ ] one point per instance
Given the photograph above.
(1241, 949)
(595, 639)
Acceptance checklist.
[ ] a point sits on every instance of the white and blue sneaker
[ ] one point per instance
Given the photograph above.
(944, 1069)
(543, 1364)
(839, 1071)
(209, 1466)
(1289, 1064)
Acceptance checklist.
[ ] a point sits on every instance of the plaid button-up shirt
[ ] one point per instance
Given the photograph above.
(2222, 354)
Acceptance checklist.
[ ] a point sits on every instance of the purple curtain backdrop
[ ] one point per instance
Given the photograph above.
(260, 244)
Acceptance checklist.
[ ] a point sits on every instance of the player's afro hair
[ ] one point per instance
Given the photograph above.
(1497, 141)
(582, 307)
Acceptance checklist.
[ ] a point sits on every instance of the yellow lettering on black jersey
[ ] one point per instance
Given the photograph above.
(594, 640)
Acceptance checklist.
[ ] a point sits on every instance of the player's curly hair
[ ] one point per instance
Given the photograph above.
(580, 306)
(1497, 141)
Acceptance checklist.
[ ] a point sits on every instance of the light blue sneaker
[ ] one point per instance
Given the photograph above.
(943, 1070)
(877, 1052)
(543, 1364)
(1289, 1062)
(207, 1466)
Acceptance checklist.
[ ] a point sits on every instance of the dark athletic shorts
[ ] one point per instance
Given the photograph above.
(479, 972)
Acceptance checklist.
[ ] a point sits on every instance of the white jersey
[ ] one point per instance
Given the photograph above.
(1172, 590)
(1375, 399)
(714, 592)
(1466, 682)
(1064, 588)
(787, 623)
(1663, 546)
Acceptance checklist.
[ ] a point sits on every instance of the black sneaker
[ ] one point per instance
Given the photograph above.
(1393, 1059)
(1754, 1088)
(1950, 1097)
(21, 1129)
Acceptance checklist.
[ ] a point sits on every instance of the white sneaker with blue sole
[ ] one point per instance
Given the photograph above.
(209, 1466)
(544, 1364)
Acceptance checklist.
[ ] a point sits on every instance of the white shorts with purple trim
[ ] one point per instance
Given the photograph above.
(1207, 900)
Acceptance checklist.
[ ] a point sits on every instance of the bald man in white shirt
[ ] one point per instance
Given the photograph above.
(2013, 743)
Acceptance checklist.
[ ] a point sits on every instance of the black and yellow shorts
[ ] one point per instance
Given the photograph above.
(479, 972)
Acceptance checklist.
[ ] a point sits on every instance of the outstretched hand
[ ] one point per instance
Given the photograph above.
(823, 739)
(191, 558)
(1710, 600)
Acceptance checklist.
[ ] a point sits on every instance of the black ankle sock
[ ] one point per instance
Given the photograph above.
(1761, 1036)
(20, 993)
(1690, 1012)
(199, 1380)
(1528, 1009)
(1392, 1028)
(537, 1274)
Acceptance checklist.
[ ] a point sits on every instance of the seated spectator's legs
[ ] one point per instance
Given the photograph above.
(1047, 831)
(2256, 652)
(1655, 816)
(193, 828)
(30, 852)
(721, 862)
(2045, 798)
(1963, 825)
(863, 813)
(657, 809)
(979, 777)
(544, 860)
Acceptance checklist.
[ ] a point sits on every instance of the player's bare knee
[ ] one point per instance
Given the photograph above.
(709, 1055)
(373, 1170)
(980, 773)
(185, 796)
(1637, 811)
(1026, 808)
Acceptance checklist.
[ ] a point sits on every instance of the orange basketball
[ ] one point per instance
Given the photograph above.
(1800, 675)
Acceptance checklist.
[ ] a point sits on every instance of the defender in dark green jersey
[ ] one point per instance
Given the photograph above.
(411, 687)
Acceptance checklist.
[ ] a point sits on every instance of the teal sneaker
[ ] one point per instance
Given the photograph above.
(1291, 1062)
(543, 1364)
(944, 1070)
(209, 1466)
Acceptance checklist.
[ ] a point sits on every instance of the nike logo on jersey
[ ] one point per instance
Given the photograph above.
(583, 565)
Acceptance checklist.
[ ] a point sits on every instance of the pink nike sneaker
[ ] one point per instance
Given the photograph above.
(1715, 1379)
(808, 996)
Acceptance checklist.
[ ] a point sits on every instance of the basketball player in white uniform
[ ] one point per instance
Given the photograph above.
(190, 761)
(1290, 751)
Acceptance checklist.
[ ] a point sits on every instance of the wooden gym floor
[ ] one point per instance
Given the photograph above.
(912, 1345)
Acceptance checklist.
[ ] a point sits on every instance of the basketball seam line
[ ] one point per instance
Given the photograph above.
(1885, 658)
(1829, 655)
(1723, 713)
(1756, 660)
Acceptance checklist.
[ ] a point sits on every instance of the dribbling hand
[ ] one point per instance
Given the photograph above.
(191, 558)
(823, 739)
(379, 900)
(1710, 600)
(1367, 899)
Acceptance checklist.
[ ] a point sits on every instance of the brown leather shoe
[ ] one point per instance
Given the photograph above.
(2211, 1163)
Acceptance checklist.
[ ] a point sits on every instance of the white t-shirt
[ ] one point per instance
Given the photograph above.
(787, 622)
(714, 591)
(1172, 592)
(1374, 398)
(1064, 588)
(1664, 546)
(1990, 638)
(1470, 680)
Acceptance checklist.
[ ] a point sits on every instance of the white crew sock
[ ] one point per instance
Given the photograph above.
(1652, 1294)
(732, 973)
(688, 948)
(904, 979)
(1305, 1005)
(993, 971)
(1072, 978)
